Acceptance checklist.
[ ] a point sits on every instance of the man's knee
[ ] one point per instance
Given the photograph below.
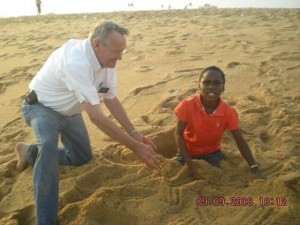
(84, 160)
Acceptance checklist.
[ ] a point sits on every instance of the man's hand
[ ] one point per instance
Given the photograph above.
(147, 154)
(140, 138)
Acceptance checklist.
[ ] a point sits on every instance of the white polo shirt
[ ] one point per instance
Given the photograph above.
(72, 75)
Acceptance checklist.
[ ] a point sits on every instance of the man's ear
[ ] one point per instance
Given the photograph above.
(96, 43)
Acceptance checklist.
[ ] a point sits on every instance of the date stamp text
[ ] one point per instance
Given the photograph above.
(242, 201)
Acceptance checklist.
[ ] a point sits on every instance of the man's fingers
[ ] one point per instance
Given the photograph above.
(152, 163)
(148, 155)
(152, 160)
(149, 142)
(153, 145)
(156, 160)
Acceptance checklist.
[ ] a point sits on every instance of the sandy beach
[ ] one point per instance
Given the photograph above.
(259, 51)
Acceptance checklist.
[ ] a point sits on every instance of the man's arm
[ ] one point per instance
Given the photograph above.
(144, 152)
(117, 110)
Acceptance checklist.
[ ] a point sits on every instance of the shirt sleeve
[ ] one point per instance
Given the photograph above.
(111, 82)
(233, 119)
(181, 111)
(77, 78)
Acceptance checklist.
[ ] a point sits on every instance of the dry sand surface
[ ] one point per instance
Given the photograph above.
(259, 50)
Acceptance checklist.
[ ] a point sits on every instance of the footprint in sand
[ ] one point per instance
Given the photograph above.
(143, 69)
(232, 64)
(177, 50)
(25, 215)
(138, 90)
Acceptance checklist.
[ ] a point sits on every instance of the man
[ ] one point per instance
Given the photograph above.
(72, 80)
(38, 6)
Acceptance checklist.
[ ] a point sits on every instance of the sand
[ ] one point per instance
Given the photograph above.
(259, 51)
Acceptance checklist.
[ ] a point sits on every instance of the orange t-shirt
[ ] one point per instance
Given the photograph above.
(203, 132)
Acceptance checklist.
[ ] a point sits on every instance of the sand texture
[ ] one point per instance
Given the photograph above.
(259, 51)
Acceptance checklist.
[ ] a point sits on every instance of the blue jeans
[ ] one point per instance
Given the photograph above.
(214, 158)
(45, 155)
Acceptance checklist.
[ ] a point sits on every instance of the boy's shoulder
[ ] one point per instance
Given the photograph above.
(226, 104)
(225, 107)
(189, 101)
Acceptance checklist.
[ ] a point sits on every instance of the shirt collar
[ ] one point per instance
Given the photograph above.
(219, 111)
(94, 61)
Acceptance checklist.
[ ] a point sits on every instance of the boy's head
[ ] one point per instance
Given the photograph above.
(212, 82)
(213, 68)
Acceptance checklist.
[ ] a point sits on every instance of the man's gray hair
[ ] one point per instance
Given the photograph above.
(103, 29)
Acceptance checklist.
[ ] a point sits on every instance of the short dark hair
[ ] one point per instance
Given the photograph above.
(103, 29)
(214, 68)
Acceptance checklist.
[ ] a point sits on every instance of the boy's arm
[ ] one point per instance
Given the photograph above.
(183, 149)
(246, 152)
(180, 141)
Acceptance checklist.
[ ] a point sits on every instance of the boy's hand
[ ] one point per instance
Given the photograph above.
(193, 170)
(256, 174)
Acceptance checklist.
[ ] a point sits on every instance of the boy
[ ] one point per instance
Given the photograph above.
(202, 121)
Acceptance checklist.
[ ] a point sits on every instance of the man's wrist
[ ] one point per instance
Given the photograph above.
(253, 166)
(132, 132)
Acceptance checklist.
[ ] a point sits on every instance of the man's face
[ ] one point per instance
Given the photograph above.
(111, 51)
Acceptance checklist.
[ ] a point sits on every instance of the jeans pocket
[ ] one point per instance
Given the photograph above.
(27, 112)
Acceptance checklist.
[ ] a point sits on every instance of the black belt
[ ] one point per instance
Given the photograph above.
(31, 98)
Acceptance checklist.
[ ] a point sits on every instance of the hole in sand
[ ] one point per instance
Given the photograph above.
(165, 142)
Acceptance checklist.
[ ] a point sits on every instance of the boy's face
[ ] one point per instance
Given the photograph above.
(211, 85)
